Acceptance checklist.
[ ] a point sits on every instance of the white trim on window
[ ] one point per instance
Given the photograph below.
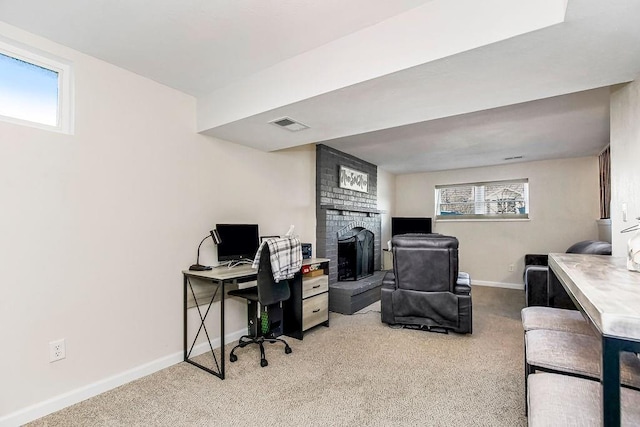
(65, 85)
(476, 202)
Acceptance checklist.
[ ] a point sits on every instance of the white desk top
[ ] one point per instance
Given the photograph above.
(237, 272)
(608, 293)
(223, 272)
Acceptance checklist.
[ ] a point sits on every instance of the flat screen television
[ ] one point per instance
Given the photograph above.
(237, 241)
(405, 225)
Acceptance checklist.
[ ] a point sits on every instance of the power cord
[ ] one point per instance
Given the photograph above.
(235, 263)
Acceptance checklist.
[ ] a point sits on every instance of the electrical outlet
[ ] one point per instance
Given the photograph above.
(511, 267)
(57, 350)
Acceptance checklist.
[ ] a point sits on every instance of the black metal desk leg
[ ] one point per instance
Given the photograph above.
(184, 319)
(221, 284)
(220, 368)
(611, 381)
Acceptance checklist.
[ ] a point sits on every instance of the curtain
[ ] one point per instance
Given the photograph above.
(604, 160)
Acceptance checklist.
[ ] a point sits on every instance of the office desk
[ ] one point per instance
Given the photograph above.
(219, 276)
(307, 307)
(609, 295)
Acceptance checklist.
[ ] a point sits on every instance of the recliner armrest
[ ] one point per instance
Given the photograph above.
(536, 259)
(463, 284)
(535, 285)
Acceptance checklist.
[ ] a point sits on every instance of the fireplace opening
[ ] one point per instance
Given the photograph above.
(355, 254)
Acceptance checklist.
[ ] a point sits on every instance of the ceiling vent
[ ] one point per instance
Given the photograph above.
(513, 158)
(289, 124)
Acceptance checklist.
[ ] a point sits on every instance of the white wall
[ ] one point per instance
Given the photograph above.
(563, 196)
(96, 228)
(625, 155)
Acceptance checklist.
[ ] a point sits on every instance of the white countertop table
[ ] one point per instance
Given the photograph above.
(609, 296)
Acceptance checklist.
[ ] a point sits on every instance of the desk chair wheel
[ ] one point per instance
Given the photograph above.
(263, 362)
(287, 350)
(233, 357)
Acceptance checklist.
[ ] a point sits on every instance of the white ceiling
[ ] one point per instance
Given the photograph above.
(197, 46)
(413, 85)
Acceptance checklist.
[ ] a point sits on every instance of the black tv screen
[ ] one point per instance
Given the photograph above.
(405, 225)
(237, 241)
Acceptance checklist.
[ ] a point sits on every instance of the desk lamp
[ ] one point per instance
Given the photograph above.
(216, 239)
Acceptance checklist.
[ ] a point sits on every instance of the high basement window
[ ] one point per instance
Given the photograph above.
(34, 90)
(493, 200)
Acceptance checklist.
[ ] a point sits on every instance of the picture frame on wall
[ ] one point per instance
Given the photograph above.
(352, 179)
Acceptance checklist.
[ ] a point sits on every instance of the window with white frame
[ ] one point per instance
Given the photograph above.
(483, 200)
(35, 90)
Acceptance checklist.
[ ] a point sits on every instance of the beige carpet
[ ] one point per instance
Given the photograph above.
(356, 372)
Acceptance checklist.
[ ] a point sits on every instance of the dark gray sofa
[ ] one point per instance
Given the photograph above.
(537, 292)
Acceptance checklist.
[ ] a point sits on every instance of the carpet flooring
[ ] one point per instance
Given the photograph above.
(357, 372)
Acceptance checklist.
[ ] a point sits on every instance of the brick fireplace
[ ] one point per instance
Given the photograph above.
(341, 210)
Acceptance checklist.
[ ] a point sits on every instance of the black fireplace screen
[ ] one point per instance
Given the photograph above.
(355, 254)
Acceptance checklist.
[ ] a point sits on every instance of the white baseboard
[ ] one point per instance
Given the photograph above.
(39, 410)
(518, 286)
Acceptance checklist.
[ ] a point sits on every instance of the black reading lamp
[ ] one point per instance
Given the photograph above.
(216, 239)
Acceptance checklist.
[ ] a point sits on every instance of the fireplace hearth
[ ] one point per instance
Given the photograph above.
(355, 254)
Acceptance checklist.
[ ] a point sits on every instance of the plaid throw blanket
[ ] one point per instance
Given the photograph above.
(285, 254)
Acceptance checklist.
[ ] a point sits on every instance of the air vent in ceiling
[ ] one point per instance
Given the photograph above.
(289, 124)
(513, 158)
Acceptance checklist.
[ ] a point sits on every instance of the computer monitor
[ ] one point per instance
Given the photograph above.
(405, 225)
(237, 241)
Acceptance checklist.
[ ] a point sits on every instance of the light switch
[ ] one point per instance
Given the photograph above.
(624, 212)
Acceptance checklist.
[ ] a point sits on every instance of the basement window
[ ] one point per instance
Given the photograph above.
(494, 200)
(34, 90)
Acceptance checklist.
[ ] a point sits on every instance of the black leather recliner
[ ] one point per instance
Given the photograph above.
(425, 289)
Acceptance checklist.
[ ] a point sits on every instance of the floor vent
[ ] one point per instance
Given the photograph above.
(289, 124)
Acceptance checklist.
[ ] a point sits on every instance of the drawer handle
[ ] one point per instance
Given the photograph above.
(316, 287)
(316, 310)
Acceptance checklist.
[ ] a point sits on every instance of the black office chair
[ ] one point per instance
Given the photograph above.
(267, 294)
